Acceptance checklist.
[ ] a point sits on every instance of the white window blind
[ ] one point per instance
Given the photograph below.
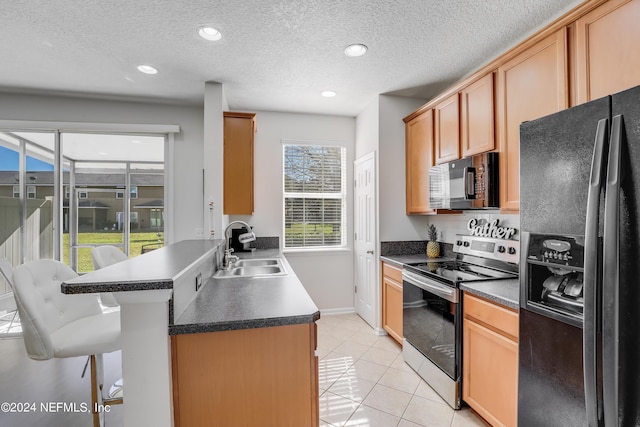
(314, 196)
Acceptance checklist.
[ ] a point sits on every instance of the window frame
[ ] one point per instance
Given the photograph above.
(342, 196)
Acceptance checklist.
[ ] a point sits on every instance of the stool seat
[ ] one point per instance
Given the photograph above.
(89, 335)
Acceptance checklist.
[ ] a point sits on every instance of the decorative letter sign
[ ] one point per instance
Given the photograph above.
(490, 229)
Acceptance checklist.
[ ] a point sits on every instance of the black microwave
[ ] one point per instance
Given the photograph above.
(469, 183)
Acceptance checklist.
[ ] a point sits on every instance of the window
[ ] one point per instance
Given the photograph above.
(134, 193)
(83, 195)
(31, 191)
(314, 196)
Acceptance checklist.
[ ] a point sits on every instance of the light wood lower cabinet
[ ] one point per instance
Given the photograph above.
(250, 377)
(392, 301)
(490, 360)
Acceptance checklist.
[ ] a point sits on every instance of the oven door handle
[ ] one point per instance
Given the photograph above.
(443, 291)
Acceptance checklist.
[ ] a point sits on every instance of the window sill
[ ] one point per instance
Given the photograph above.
(316, 251)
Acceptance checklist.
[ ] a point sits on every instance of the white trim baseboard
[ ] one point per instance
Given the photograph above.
(333, 311)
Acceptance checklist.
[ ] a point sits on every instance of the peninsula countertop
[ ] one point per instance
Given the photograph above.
(248, 302)
(157, 269)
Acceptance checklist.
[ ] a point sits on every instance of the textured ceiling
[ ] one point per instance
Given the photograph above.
(275, 55)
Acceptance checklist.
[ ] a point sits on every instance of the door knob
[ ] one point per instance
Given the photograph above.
(370, 252)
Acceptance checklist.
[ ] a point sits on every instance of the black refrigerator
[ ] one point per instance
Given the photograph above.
(579, 345)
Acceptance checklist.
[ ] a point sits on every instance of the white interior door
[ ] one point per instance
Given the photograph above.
(365, 220)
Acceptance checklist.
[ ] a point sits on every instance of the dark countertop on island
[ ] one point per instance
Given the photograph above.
(505, 292)
(157, 269)
(220, 304)
(250, 302)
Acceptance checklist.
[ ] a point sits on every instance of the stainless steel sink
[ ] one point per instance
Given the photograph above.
(255, 262)
(253, 268)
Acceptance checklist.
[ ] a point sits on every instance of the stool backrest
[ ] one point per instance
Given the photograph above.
(42, 306)
(104, 256)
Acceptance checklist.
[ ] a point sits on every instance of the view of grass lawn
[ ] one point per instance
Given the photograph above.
(107, 238)
(323, 234)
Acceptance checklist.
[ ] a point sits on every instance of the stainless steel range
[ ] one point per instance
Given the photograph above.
(432, 309)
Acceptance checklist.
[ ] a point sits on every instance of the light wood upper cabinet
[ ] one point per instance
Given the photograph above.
(419, 158)
(490, 361)
(392, 301)
(239, 130)
(607, 56)
(477, 117)
(531, 85)
(447, 130)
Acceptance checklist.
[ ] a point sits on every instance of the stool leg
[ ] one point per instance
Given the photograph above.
(96, 389)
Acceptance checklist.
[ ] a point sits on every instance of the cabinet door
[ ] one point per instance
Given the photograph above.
(607, 57)
(392, 301)
(419, 158)
(531, 85)
(239, 129)
(477, 117)
(490, 374)
(447, 126)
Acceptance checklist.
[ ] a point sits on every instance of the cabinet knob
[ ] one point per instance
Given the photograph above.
(370, 252)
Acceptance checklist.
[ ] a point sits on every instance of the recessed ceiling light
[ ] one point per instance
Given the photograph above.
(102, 153)
(135, 141)
(328, 94)
(356, 49)
(147, 69)
(209, 33)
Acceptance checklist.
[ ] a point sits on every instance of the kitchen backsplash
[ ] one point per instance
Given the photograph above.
(412, 247)
(450, 225)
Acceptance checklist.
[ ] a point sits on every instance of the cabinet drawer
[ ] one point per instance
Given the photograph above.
(492, 315)
(392, 272)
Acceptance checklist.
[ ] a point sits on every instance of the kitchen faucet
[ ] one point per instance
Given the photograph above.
(243, 238)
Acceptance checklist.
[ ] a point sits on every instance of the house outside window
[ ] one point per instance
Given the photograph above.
(134, 193)
(314, 196)
(31, 191)
(83, 195)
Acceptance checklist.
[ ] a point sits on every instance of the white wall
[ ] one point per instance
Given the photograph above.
(327, 276)
(395, 224)
(367, 126)
(188, 153)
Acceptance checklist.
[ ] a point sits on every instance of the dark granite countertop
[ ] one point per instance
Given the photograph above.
(243, 303)
(157, 269)
(400, 260)
(505, 292)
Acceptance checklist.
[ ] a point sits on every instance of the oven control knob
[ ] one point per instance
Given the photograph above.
(512, 250)
(466, 244)
(501, 249)
(459, 243)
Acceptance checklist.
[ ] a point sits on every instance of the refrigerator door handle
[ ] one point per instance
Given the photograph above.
(591, 281)
(611, 277)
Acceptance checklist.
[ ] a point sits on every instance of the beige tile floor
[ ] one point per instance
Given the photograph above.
(364, 382)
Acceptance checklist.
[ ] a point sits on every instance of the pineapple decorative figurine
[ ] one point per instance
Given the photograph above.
(433, 247)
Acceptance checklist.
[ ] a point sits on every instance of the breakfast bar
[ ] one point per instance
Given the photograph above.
(172, 291)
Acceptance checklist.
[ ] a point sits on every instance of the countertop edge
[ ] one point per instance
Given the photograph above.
(197, 328)
(478, 289)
